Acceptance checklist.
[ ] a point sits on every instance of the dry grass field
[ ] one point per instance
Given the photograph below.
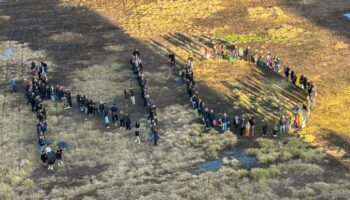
(87, 45)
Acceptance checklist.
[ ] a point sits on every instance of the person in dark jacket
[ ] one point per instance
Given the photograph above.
(115, 118)
(287, 71)
(127, 122)
(264, 129)
(172, 59)
(206, 118)
(235, 124)
(59, 156)
(212, 117)
(293, 78)
(225, 121)
(43, 158)
(126, 97)
(51, 158)
(252, 126)
(101, 108)
(155, 138)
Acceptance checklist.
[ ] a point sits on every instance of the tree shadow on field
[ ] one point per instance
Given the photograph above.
(334, 139)
(327, 13)
(72, 38)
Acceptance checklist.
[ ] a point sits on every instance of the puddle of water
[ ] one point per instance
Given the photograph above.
(7, 53)
(246, 162)
(211, 165)
(347, 15)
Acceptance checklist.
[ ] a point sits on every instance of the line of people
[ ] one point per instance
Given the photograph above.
(246, 126)
(137, 68)
(36, 93)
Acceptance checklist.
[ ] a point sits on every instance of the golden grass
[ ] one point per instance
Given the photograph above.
(169, 167)
(271, 13)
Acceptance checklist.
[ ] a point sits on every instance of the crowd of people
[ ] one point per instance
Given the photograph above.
(137, 68)
(38, 90)
(246, 125)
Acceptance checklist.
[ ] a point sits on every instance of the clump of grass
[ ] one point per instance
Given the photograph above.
(304, 192)
(341, 45)
(302, 169)
(212, 142)
(261, 173)
(282, 150)
(6, 191)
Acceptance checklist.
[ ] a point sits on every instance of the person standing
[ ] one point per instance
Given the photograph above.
(275, 129)
(264, 129)
(126, 98)
(287, 71)
(155, 138)
(107, 121)
(69, 99)
(137, 132)
(51, 158)
(242, 129)
(235, 124)
(121, 119)
(252, 126)
(132, 96)
(225, 121)
(172, 59)
(127, 122)
(43, 158)
(282, 124)
(59, 156)
(13, 85)
(114, 111)
(247, 128)
(301, 82)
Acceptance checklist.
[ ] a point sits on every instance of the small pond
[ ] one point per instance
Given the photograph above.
(211, 165)
(245, 161)
(7, 53)
(347, 15)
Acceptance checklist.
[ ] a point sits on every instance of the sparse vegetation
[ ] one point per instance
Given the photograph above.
(82, 42)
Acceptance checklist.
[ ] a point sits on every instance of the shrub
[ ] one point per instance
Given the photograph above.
(260, 173)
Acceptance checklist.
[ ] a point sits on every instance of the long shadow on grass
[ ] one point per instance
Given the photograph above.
(335, 139)
(328, 14)
(277, 95)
